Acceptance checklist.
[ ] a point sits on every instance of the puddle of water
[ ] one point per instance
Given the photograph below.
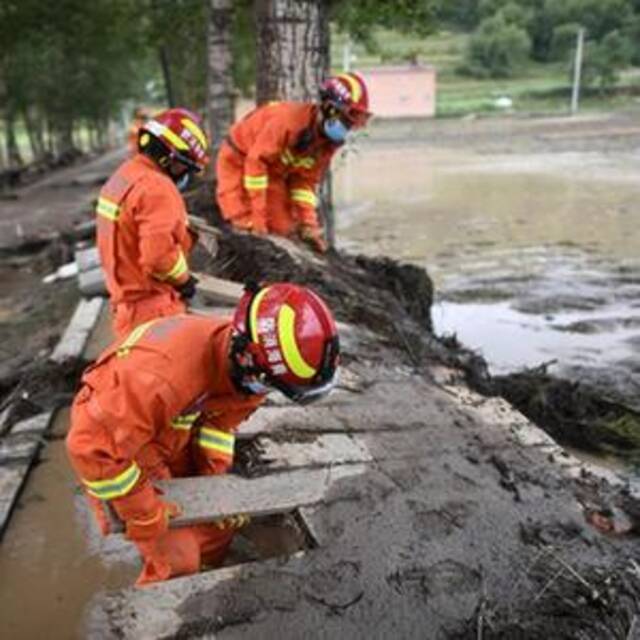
(48, 571)
(519, 246)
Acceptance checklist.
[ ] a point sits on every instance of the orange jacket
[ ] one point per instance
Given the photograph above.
(159, 400)
(143, 236)
(280, 141)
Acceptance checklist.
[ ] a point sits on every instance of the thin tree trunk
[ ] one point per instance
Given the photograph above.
(166, 74)
(220, 96)
(13, 153)
(34, 133)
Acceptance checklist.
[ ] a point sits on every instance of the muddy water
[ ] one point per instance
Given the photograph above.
(536, 257)
(51, 562)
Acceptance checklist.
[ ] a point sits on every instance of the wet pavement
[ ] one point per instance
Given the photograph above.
(535, 255)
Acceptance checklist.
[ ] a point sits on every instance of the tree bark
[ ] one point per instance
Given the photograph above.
(292, 50)
(220, 95)
(166, 75)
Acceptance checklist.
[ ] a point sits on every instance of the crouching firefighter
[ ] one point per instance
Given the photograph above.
(165, 402)
(273, 159)
(143, 235)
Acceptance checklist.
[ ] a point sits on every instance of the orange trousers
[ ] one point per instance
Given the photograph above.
(235, 203)
(128, 315)
(180, 551)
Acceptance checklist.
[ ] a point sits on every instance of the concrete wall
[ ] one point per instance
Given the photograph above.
(396, 92)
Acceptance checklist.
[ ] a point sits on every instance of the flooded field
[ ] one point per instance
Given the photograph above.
(535, 254)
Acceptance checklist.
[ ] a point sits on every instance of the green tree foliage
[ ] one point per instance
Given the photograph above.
(497, 49)
(66, 64)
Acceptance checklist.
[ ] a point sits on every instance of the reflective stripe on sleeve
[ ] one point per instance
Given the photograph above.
(255, 183)
(108, 209)
(219, 441)
(185, 422)
(114, 487)
(305, 162)
(305, 196)
(179, 269)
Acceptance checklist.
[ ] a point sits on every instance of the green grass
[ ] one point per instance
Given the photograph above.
(538, 88)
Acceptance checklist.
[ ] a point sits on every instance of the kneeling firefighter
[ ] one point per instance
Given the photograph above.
(165, 402)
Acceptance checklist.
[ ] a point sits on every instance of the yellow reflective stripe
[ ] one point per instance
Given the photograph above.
(107, 209)
(287, 158)
(196, 130)
(253, 313)
(217, 440)
(179, 269)
(289, 346)
(132, 338)
(304, 195)
(256, 182)
(159, 130)
(114, 487)
(356, 89)
(185, 422)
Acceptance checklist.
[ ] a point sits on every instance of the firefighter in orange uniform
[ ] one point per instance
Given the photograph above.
(165, 402)
(143, 236)
(273, 159)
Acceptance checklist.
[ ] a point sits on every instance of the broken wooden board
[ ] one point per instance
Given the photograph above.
(18, 451)
(78, 330)
(209, 498)
(218, 290)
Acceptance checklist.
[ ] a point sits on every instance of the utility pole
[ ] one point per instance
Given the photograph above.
(577, 69)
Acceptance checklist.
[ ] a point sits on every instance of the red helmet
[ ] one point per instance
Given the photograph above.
(180, 131)
(347, 93)
(286, 338)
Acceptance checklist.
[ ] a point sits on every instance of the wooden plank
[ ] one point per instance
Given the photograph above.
(208, 498)
(18, 451)
(327, 449)
(77, 332)
(218, 290)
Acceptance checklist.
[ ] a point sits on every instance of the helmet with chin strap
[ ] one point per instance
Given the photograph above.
(346, 94)
(285, 337)
(175, 134)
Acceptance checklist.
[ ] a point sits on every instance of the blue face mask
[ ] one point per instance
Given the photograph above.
(183, 181)
(335, 130)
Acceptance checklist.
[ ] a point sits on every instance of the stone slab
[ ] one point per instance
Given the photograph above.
(218, 290)
(78, 330)
(87, 259)
(92, 283)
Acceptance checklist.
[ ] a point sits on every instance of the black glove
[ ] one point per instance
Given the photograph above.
(187, 289)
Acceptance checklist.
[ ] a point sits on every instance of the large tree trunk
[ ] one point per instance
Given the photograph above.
(293, 49)
(220, 98)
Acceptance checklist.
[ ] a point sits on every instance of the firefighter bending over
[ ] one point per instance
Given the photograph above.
(273, 159)
(165, 402)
